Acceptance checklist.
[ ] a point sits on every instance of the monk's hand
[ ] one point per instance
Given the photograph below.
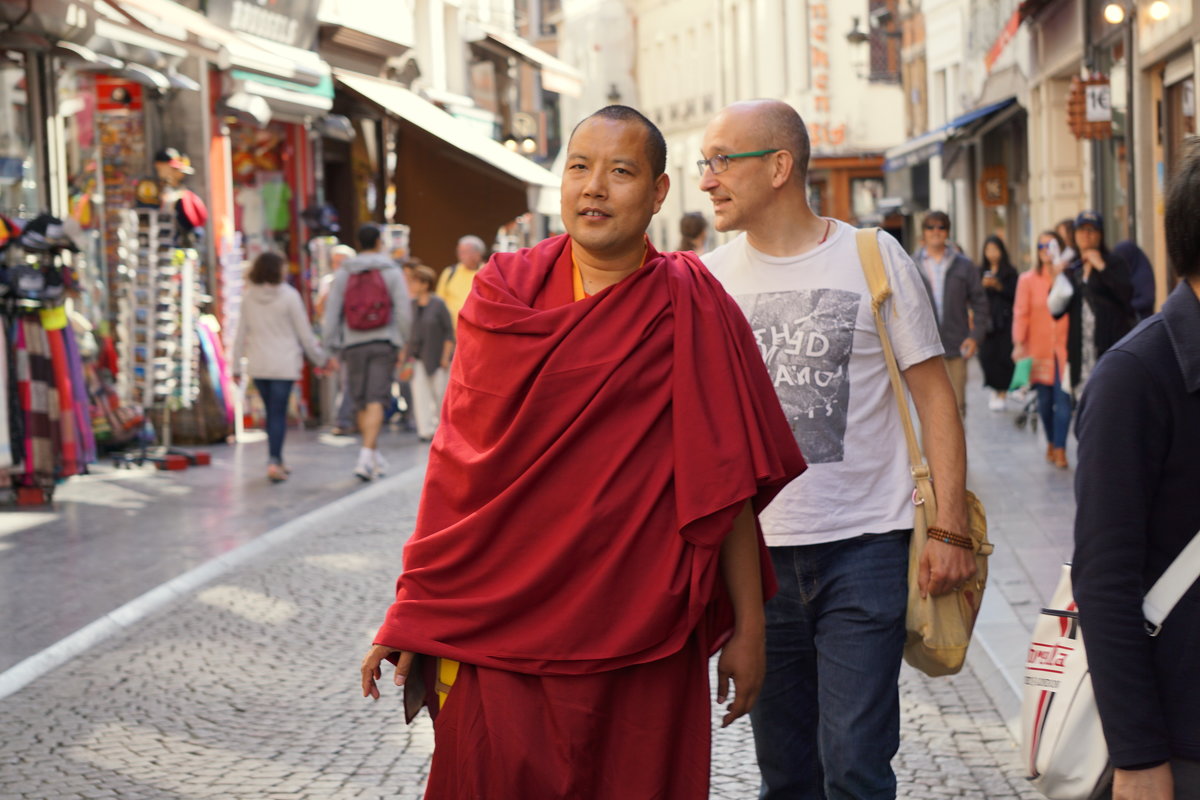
(943, 568)
(744, 661)
(372, 667)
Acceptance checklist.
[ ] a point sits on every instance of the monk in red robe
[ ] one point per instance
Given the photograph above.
(587, 536)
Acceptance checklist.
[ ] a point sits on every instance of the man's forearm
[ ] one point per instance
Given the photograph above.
(946, 450)
(742, 571)
(943, 441)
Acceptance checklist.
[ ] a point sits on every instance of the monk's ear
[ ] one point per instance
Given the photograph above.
(783, 164)
(662, 185)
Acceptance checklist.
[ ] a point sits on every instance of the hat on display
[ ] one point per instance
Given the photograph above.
(45, 234)
(173, 158)
(1092, 218)
(190, 211)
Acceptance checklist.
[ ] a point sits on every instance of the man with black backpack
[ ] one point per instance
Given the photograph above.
(366, 319)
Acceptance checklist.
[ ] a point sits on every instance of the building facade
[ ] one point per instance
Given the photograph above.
(837, 63)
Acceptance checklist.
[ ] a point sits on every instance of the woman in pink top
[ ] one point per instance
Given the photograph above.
(1039, 336)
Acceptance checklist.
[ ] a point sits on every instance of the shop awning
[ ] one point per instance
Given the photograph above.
(557, 75)
(166, 21)
(285, 98)
(425, 115)
(927, 145)
(915, 151)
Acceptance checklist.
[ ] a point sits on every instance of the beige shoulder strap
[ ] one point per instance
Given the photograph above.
(877, 282)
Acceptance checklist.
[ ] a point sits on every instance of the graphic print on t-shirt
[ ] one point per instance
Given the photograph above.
(806, 338)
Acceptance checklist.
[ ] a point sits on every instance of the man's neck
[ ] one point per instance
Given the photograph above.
(468, 267)
(936, 253)
(787, 229)
(599, 271)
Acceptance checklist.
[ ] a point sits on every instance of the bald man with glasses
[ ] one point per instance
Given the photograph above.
(828, 720)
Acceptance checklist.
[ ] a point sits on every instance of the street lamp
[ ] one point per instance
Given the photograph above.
(856, 34)
(1114, 13)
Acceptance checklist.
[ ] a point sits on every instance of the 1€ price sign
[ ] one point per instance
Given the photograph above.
(1099, 102)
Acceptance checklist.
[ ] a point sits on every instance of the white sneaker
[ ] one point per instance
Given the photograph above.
(380, 465)
(364, 470)
(996, 403)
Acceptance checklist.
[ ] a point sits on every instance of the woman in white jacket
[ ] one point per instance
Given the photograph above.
(273, 336)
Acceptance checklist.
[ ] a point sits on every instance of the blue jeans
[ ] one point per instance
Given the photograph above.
(275, 394)
(1054, 407)
(827, 723)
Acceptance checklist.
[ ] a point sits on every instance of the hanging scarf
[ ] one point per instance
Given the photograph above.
(35, 381)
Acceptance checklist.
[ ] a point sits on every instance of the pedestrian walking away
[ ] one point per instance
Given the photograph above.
(429, 349)
(828, 720)
(273, 336)
(1099, 303)
(579, 551)
(367, 317)
(959, 303)
(454, 284)
(999, 280)
(1135, 487)
(1039, 336)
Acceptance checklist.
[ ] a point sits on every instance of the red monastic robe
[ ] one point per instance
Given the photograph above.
(591, 459)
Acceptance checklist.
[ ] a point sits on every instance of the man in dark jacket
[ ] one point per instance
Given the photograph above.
(1139, 436)
(959, 302)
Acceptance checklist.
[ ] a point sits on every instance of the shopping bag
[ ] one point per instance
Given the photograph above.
(1063, 747)
(1021, 372)
(939, 628)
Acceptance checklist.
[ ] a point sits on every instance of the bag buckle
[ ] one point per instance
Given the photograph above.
(917, 500)
(1152, 630)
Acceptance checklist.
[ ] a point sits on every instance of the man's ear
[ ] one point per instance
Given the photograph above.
(783, 163)
(662, 185)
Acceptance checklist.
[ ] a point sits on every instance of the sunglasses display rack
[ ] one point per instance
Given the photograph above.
(160, 295)
(123, 268)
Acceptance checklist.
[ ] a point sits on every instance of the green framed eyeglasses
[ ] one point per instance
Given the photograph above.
(719, 163)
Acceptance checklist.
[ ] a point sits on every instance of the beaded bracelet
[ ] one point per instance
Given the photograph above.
(949, 537)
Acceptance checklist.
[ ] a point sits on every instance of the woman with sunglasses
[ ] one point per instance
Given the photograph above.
(1037, 335)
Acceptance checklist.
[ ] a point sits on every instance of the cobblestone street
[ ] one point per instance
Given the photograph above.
(248, 688)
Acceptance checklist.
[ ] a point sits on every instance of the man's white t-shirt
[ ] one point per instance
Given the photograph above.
(811, 315)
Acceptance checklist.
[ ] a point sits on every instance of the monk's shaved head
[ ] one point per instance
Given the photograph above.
(656, 145)
(773, 123)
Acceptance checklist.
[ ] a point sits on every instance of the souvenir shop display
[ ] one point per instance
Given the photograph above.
(232, 277)
(47, 436)
(122, 134)
(263, 198)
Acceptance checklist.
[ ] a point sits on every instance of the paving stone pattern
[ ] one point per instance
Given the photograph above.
(249, 689)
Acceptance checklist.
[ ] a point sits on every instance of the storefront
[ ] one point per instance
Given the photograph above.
(1166, 66)
(474, 186)
(847, 187)
(991, 156)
